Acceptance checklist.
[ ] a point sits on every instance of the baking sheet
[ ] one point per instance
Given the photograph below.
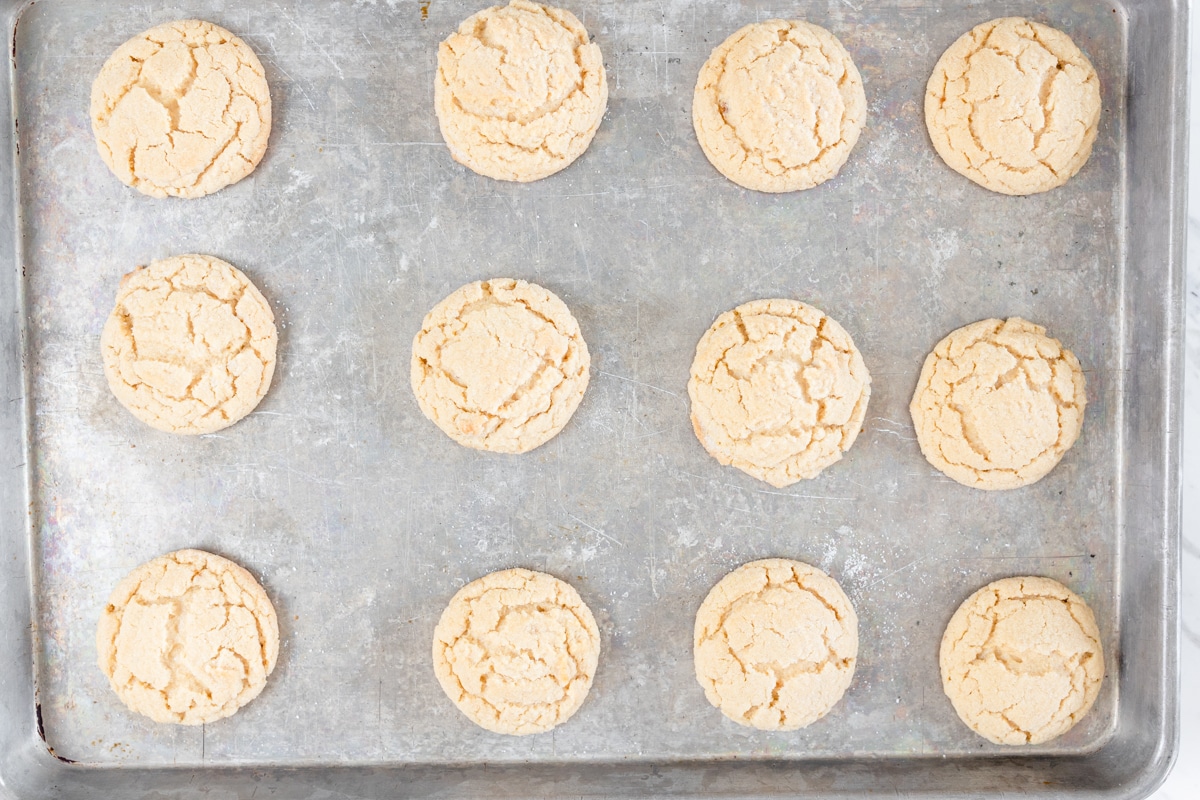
(361, 519)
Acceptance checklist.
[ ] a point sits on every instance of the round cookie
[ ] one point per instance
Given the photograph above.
(190, 345)
(520, 91)
(776, 642)
(998, 404)
(779, 106)
(1021, 660)
(182, 109)
(500, 365)
(778, 390)
(1013, 105)
(516, 651)
(188, 638)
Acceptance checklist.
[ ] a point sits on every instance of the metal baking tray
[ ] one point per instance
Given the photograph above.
(361, 519)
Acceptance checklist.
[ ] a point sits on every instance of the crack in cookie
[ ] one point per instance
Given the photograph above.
(778, 390)
(181, 110)
(516, 651)
(520, 91)
(776, 643)
(1014, 106)
(1021, 660)
(190, 345)
(500, 365)
(188, 638)
(778, 106)
(998, 404)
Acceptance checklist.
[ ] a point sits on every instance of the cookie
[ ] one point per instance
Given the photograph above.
(500, 365)
(188, 638)
(776, 642)
(190, 345)
(1021, 660)
(778, 390)
(182, 109)
(520, 91)
(516, 651)
(998, 404)
(1013, 105)
(779, 106)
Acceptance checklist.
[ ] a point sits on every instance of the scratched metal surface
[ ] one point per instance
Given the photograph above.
(361, 519)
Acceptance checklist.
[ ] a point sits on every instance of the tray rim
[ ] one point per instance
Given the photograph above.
(29, 768)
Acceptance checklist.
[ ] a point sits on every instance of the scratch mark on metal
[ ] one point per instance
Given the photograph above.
(768, 491)
(309, 40)
(639, 383)
(894, 573)
(594, 529)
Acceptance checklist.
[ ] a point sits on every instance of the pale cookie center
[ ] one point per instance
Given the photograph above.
(1019, 99)
(786, 105)
(778, 657)
(500, 353)
(183, 114)
(526, 657)
(151, 648)
(197, 648)
(1031, 673)
(167, 76)
(515, 67)
(182, 339)
(1009, 405)
(178, 108)
(780, 628)
(789, 380)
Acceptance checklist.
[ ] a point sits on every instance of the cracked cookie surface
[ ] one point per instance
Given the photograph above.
(1013, 105)
(190, 344)
(998, 404)
(189, 638)
(182, 109)
(778, 106)
(500, 365)
(520, 91)
(1021, 660)
(778, 390)
(776, 642)
(516, 651)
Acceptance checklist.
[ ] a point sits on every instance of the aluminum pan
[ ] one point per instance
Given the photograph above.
(623, 238)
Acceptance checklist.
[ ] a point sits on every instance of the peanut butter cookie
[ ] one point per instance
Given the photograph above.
(516, 651)
(520, 91)
(182, 109)
(776, 642)
(1021, 660)
(189, 637)
(778, 390)
(1013, 105)
(998, 404)
(779, 106)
